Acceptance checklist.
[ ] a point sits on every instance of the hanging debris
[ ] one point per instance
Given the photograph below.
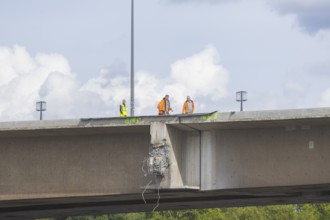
(158, 160)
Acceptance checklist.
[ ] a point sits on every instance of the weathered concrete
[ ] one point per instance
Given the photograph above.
(191, 155)
(272, 157)
(57, 168)
(160, 134)
(208, 161)
(47, 167)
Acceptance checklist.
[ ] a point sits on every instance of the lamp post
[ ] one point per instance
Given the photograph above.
(241, 96)
(40, 107)
(132, 58)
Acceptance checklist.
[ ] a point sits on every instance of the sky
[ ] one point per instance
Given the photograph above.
(75, 55)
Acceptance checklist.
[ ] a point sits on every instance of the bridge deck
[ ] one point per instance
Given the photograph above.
(90, 166)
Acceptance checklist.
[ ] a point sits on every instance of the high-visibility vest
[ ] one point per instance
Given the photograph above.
(162, 107)
(122, 111)
(185, 109)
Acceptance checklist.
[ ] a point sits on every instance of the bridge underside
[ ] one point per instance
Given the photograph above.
(169, 200)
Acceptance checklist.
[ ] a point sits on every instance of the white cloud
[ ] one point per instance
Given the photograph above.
(27, 79)
(21, 76)
(59, 92)
(147, 93)
(14, 62)
(199, 75)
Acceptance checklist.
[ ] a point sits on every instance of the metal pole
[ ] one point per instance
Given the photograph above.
(132, 60)
(40, 115)
(241, 101)
(40, 111)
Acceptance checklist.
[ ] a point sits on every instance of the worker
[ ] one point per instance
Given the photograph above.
(188, 106)
(164, 106)
(122, 109)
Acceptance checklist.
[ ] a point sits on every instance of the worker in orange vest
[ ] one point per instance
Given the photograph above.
(188, 106)
(164, 106)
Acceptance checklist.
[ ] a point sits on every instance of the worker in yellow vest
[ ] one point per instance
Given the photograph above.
(122, 109)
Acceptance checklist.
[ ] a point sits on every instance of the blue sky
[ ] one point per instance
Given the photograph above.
(76, 55)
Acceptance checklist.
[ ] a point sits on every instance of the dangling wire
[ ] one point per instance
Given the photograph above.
(157, 201)
(145, 173)
(158, 186)
(145, 189)
(157, 166)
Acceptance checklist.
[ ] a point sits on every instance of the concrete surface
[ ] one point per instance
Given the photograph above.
(90, 166)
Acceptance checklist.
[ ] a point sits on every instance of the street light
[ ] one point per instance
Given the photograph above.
(40, 107)
(132, 59)
(241, 96)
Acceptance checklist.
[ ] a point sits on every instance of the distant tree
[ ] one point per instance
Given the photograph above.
(210, 214)
(246, 213)
(278, 212)
(323, 211)
(275, 212)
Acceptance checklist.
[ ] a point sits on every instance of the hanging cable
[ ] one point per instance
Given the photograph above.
(145, 173)
(145, 189)
(158, 186)
(157, 165)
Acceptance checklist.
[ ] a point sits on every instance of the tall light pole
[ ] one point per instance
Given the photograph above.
(241, 96)
(132, 59)
(40, 107)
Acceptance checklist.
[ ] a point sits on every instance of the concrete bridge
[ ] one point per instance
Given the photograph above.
(103, 165)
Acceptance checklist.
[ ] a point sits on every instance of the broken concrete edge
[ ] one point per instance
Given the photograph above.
(227, 117)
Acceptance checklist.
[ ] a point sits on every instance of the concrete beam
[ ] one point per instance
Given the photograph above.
(218, 160)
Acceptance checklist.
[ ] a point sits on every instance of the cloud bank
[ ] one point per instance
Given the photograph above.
(313, 15)
(26, 79)
(200, 76)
